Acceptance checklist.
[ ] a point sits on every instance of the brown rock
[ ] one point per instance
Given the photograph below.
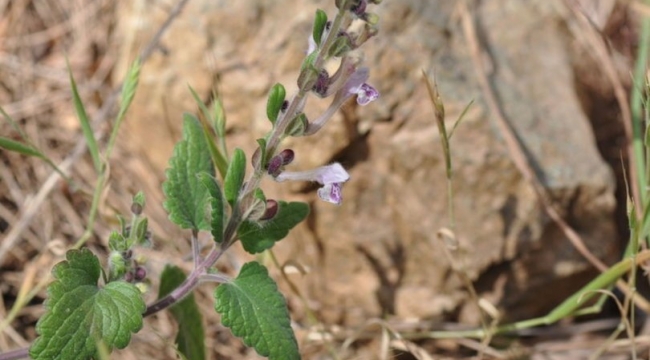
(378, 253)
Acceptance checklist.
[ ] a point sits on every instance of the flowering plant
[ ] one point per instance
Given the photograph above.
(90, 310)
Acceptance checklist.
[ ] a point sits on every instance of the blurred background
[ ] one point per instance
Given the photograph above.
(555, 75)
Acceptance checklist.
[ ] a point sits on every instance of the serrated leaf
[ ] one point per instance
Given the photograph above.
(79, 314)
(256, 238)
(85, 124)
(254, 310)
(19, 147)
(190, 327)
(235, 176)
(186, 197)
(216, 204)
(319, 25)
(275, 101)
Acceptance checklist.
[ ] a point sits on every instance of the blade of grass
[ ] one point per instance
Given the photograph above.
(13, 123)
(217, 156)
(28, 147)
(128, 92)
(641, 152)
(19, 147)
(85, 124)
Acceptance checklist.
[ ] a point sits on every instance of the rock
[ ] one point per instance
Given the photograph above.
(378, 253)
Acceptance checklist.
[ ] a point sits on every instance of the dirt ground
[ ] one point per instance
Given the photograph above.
(41, 215)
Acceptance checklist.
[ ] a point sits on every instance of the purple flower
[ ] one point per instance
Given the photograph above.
(366, 94)
(354, 85)
(330, 176)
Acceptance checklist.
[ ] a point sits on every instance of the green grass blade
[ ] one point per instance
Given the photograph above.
(217, 155)
(127, 95)
(13, 123)
(85, 124)
(18, 147)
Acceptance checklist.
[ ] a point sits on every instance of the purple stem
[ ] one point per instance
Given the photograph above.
(15, 354)
(187, 286)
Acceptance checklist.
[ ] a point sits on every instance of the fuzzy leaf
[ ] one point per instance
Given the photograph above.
(254, 310)
(216, 204)
(275, 101)
(319, 25)
(256, 237)
(187, 198)
(190, 327)
(235, 176)
(79, 314)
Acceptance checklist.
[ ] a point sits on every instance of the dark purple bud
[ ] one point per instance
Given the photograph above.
(127, 255)
(275, 166)
(136, 209)
(140, 273)
(287, 156)
(322, 83)
(271, 210)
(285, 106)
(359, 7)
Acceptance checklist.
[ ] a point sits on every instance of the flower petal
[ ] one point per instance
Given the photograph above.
(366, 94)
(333, 173)
(331, 193)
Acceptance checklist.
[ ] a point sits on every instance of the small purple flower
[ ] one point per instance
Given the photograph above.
(366, 94)
(330, 176)
(356, 84)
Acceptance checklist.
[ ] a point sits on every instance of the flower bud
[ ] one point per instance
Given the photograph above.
(136, 209)
(275, 166)
(322, 83)
(139, 273)
(271, 210)
(359, 8)
(287, 156)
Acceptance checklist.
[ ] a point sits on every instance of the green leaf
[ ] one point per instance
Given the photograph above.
(79, 314)
(190, 327)
(256, 237)
(216, 203)
(254, 310)
(187, 199)
(139, 199)
(85, 124)
(18, 147)
(235, 176)
(319, 25)
(275, 101)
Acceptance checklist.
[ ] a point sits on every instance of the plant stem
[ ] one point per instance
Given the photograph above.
(187, 286)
